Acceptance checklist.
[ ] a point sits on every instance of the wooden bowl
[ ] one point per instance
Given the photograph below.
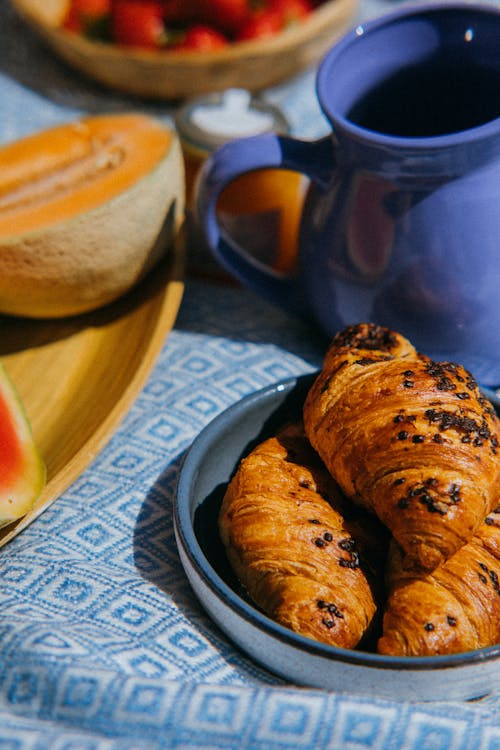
(253, 65)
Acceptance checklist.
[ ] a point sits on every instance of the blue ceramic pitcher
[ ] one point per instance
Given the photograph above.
(401, 222)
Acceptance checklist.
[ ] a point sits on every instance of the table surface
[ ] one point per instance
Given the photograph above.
(102, 641)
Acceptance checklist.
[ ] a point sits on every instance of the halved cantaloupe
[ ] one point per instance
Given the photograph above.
(22, 470)
(86, 209)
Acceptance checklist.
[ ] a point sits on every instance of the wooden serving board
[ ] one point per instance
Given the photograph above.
(78, 376)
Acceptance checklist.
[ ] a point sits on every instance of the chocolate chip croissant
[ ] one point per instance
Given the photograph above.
(411, 439)
(300, 559)
(453, 609)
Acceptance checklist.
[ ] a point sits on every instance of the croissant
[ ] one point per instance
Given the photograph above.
(453, 609)
(410, 439)
(301, 561)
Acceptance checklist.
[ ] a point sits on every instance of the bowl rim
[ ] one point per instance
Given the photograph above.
(187, 539)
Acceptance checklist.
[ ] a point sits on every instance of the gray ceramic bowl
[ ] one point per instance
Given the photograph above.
(207, 468)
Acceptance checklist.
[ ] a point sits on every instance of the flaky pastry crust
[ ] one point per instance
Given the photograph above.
(454, 608)
(410, 439)
(300, 552)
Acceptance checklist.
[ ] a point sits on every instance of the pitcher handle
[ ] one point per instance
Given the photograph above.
(315, 159)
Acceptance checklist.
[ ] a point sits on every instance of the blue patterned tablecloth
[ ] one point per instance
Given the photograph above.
(102, 642)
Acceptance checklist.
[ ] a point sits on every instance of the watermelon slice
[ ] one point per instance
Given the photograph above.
(22, 470)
